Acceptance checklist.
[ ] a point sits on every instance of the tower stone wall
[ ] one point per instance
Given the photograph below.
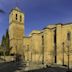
(16, 30)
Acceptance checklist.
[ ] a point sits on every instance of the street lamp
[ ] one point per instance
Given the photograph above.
(4, 51)
(23, 51)
(68, 53)
(63, 52)
(68, 48)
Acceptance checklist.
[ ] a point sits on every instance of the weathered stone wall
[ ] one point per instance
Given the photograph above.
(27, 48)
(36, 45)
(65, 30)
(16, 30)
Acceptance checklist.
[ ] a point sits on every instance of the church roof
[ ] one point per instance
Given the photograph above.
(16, 8)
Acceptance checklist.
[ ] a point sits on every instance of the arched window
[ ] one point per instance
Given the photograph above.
(69, 36)
(16, 16)
(42, 40)
(20, 18)
(42, 49)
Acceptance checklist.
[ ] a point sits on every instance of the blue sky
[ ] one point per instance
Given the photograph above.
(38, 13)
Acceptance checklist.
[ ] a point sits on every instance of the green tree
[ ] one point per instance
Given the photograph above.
(6, 43)
(3, 41)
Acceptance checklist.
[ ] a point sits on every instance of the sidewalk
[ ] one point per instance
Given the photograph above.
(32, 67)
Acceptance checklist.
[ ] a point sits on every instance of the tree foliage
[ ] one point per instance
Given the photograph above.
(3, 41)
(6, 43)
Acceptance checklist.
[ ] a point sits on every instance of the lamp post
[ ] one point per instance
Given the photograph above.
(24, 52)
(68, 48)
(4, 51)
(4, 54)
(68, 54)
(31, 53)
(63, 52)
(28, 52)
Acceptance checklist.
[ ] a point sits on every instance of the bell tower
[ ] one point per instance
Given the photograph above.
(16, 30)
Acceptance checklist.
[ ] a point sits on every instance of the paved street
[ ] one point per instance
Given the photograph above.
(17, 67)
(9, 67)
(50, 69)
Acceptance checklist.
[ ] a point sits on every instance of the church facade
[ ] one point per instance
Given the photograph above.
(51, 45)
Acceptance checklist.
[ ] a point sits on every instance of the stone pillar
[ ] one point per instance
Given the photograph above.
(48, 46)
(59, 44)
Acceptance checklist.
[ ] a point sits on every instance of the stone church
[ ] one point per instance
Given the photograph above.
(51, 45)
